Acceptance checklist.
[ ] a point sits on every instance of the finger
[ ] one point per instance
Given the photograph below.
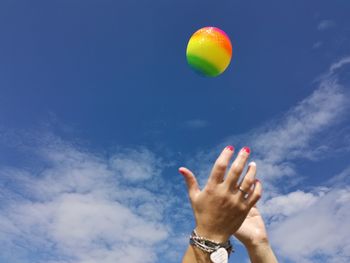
(254, 197)
(248, 180)
(191, 182)
(219, 169)
(237, 167)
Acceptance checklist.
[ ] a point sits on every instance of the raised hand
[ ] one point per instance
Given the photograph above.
(252, 231)
(222, 206)
(253, 235)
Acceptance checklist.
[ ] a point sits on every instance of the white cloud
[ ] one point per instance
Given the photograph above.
(320, 229)
(289, 138)
(338, 65)
(278, 144)
(342, 178)
(326, 24)
(82, 207)
(286, 205)
(305, 225)
(79, 209)
(136, 165)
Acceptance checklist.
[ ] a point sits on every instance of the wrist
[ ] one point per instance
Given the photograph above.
(261, 252)
(258, 245)
(218, 237)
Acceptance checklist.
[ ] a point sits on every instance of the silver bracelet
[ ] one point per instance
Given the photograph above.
(208, 245)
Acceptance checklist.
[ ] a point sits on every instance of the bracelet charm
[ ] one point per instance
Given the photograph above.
(219, 252)
(219, 256)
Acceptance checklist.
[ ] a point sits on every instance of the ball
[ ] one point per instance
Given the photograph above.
(209, 51)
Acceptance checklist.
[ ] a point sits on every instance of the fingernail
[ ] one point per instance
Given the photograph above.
(252, 164)
(246, 149)
(181, 172)
(257, 181)
(230, 147)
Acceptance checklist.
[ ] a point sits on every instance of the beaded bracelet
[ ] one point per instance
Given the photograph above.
(218, 251)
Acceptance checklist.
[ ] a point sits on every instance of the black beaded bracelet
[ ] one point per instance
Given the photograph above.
(208, 245)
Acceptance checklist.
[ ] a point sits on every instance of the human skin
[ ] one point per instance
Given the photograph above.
(220, 207)
(253, 235)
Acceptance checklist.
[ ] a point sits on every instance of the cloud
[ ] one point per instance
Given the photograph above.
(338, 65)
(326, 24)
(196, 124)
(305, 225)
(308, 225)
(319, 229)
(286, 205)
(82, 207)
(79, 208)
(278, 144)
(342, 178)
(136, 165)
(317, 45)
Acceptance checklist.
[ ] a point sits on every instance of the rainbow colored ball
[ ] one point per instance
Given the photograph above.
(209, 51)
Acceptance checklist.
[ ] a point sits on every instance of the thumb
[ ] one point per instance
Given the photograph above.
(191, 182)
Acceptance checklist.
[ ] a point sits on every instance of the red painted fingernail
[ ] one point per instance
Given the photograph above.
(246, 149)
(230, 147)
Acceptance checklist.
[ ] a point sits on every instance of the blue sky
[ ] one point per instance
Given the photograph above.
(98, 109)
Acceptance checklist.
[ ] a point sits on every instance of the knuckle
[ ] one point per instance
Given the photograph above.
(237, 168)
(193, 199)
(237, 205)
(234, 201)
(224, 196)
(249, 180)
(241, 207)
(223, 200)
(209, 190)
(220, 165)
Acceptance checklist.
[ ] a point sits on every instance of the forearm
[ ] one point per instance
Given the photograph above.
(262, 253)
(195, 255)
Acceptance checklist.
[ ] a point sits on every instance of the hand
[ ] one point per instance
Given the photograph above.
(253, 235)
(221, 207)
(252, 232)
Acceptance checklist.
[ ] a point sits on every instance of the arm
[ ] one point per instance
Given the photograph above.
(221, 207)
(262, 254)
(254, 236)
(195, 255)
